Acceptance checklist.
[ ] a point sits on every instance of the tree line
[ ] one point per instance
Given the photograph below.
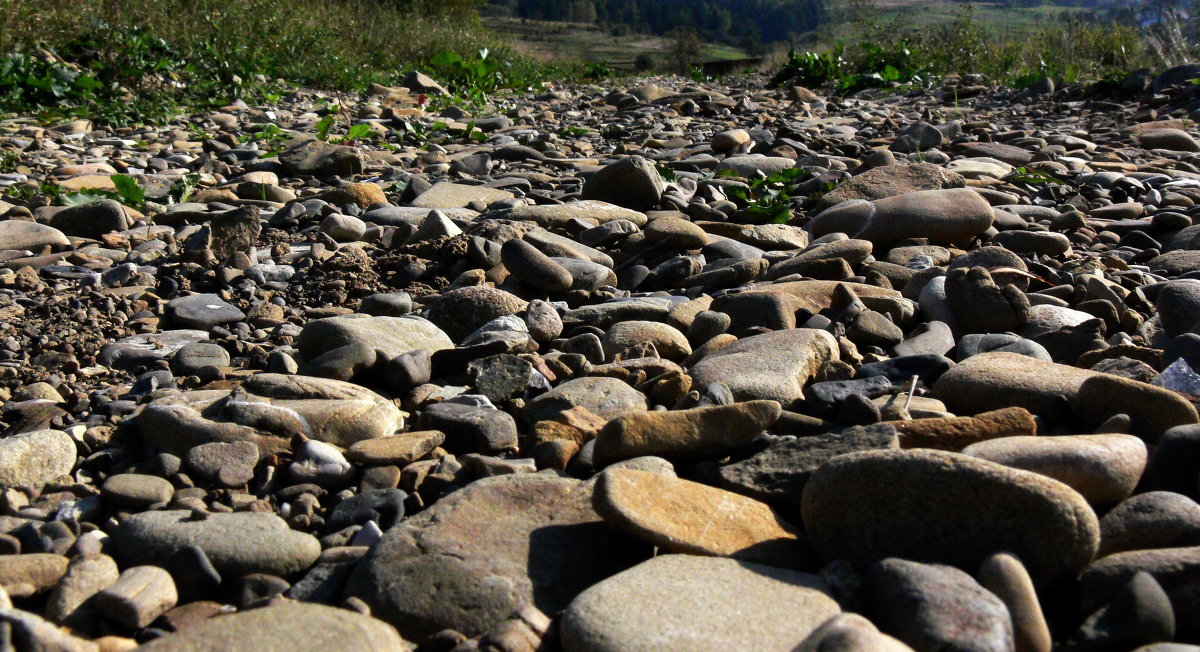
(749, 24)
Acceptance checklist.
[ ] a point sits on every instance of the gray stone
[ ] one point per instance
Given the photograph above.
(294, 626)
(1156, 519)
(21, 235)
(655, 606)
(866, 506)
(774, 365)
(390, 335)
(142, 350)
(202, 312)
(607, 397)
(477, 554)
(31, 459)
(319, 159)
(934, 607)
(236, 543)
(631, 182)
(91, 220)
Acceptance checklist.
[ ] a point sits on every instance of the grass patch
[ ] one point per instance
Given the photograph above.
(120, 61)
(886, 48)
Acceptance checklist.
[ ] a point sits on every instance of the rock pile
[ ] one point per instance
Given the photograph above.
(580, 384)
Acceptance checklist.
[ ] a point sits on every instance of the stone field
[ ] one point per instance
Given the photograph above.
(649, 365)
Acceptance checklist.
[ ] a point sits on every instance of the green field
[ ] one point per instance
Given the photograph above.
(578, 41)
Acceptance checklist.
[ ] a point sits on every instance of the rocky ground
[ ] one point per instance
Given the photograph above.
(608, 376)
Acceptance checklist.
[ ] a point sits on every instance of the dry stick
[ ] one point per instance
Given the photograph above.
(912, 387)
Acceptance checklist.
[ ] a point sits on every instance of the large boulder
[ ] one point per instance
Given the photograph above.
(947, 508)
(479, 553)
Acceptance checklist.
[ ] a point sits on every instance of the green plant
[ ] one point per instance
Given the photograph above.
(475, 78)
(182, 190)
(360, 131)
(128, 190)
(1032, 175)
(769, 197)
(9, 161)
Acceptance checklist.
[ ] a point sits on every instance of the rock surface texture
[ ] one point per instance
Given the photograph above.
(634, 365)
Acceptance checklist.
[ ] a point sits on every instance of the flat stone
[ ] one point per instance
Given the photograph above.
(889, 181)
(1154, 410)
(867, 506)
(397, 449)
(606, 397)
(779, 473)
(290, 626)
(391, 335)
(750, 166)
(773, 366)
(705, 432)
(688, 517)
(202, 311)
(953, 216)
(667, 340)
(32, 573)
(1104, 469)
(319, 159)
(445, 194)
(654, 606)
(477, 554)
(558, 215)
(992, 381)
(268, 410)
(19, 234)
(137, 490)
(957, 433)
(236, 543)
(142, 350)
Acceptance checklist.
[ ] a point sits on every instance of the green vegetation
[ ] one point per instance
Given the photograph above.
(119, 61)
(768, 198)
(747, 24)
(884, 49)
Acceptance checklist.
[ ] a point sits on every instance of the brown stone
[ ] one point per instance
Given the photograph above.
(688, 517)
(704, 432)
(956, 433)
(398, 449)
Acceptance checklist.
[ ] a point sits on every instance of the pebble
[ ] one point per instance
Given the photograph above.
(743, 605)
(704, 432)
(1104, 469)
(34, 458)
(140, 594)
(462, 384)
(292, 626)
(932, 607)
(236, 543)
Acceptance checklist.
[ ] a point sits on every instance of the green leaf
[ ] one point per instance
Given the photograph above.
(323, 127)
(359, 132)
(131, 193)
(444, 59)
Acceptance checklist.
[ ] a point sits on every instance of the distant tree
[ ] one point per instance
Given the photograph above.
(685, 48)
(583, 11)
